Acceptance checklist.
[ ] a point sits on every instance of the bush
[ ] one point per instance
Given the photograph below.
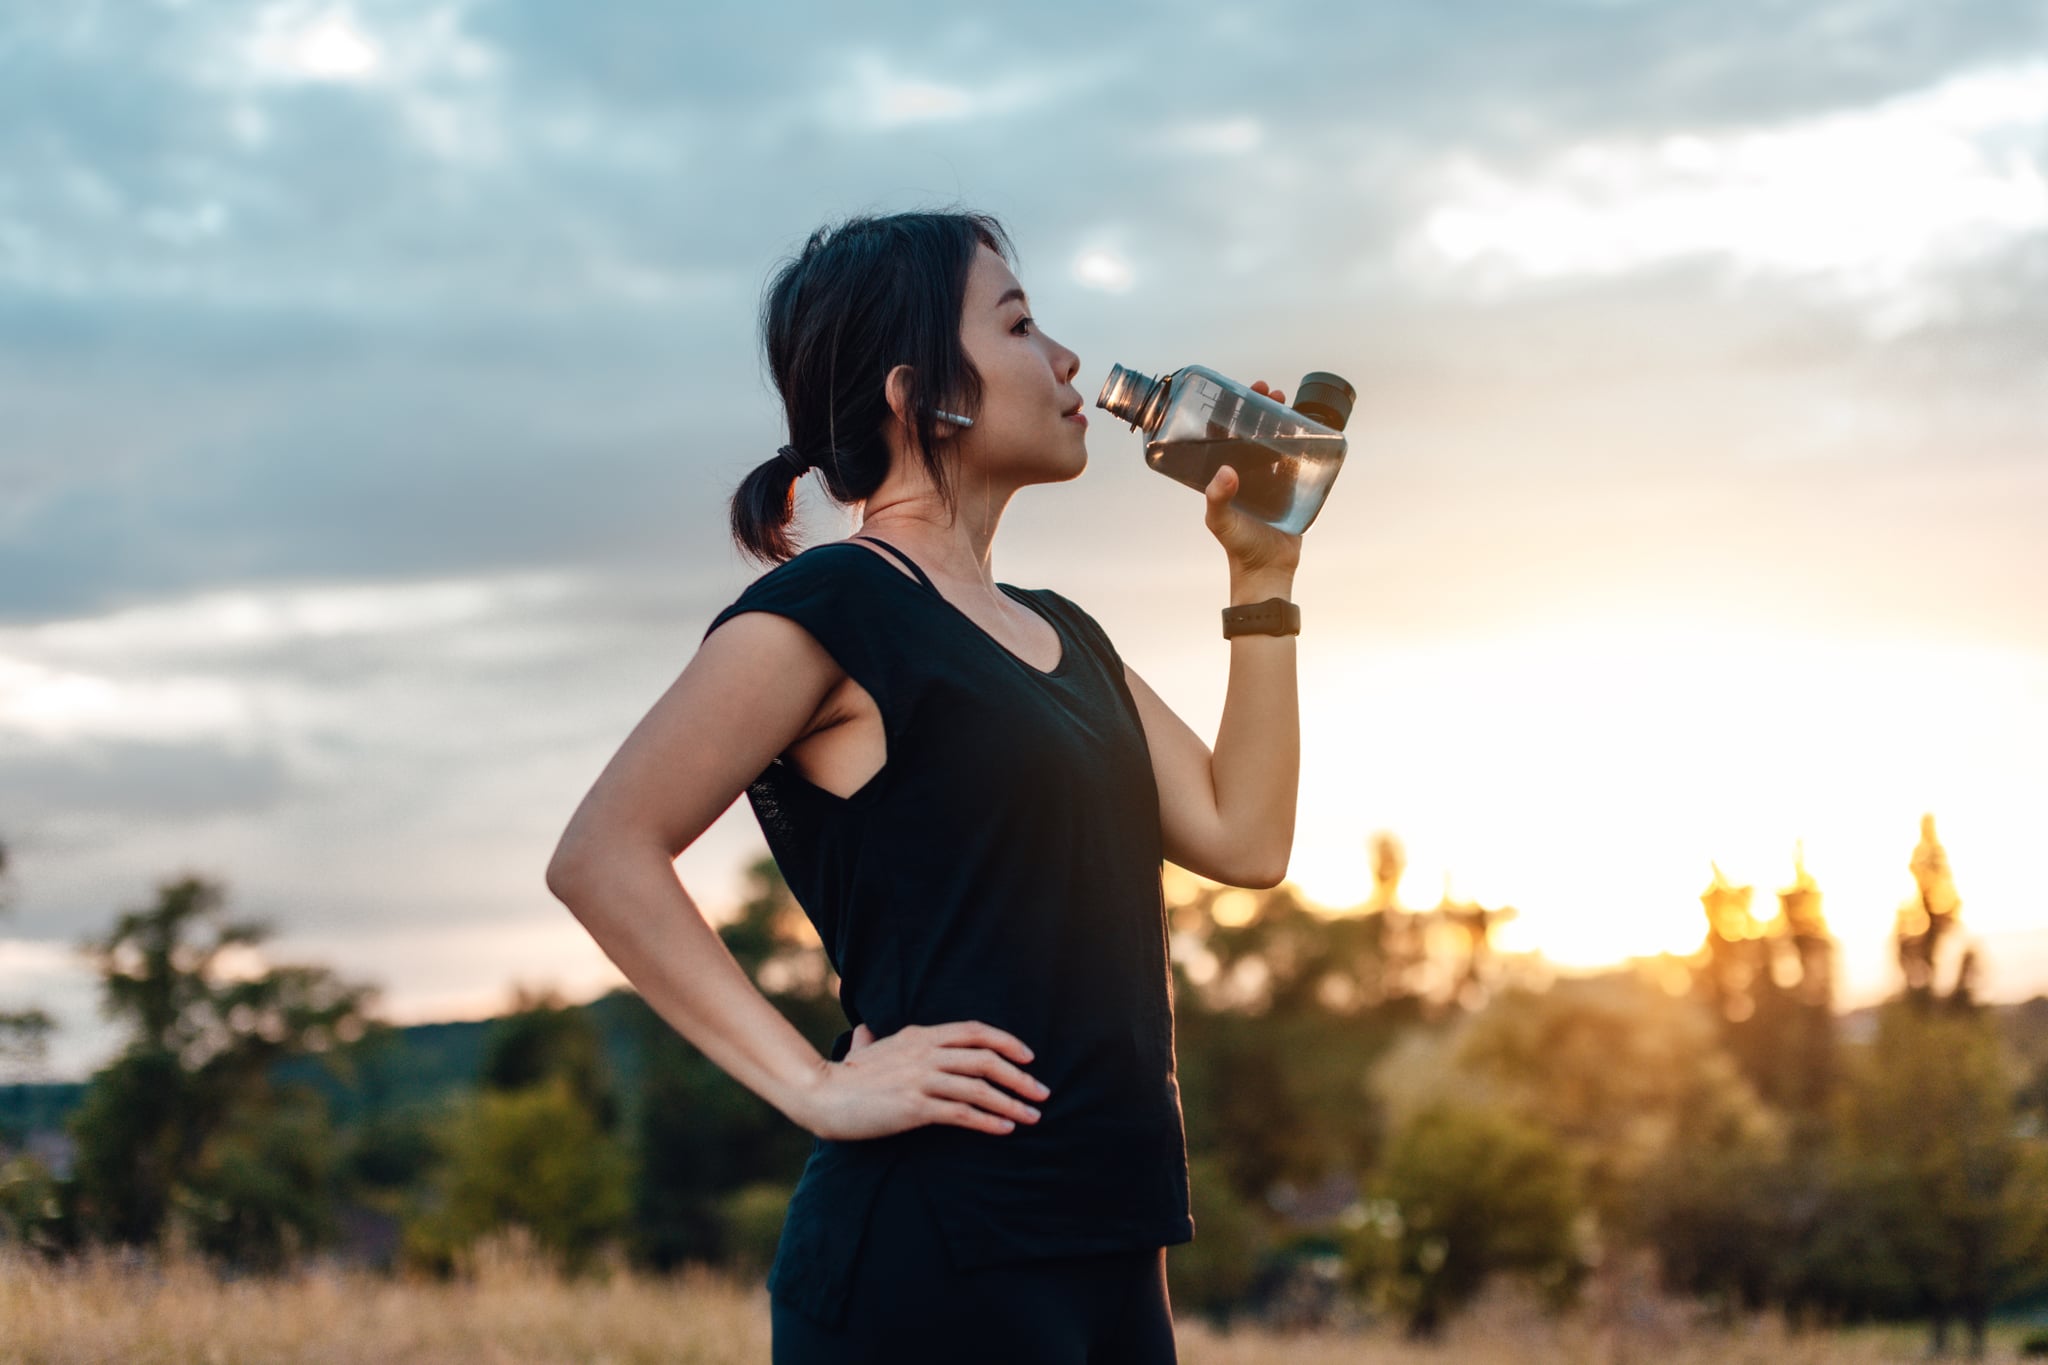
(1467, 1193)
(532, 1158)
(1211, 1274)
(752, 1217)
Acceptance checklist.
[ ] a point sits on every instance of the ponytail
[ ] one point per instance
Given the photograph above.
(763, 508)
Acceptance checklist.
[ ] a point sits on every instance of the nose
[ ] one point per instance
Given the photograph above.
(1069, 363)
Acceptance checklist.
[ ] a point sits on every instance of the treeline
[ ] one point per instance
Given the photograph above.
(1380, 1110)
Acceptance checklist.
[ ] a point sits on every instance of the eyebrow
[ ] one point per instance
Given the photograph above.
(1009, 294)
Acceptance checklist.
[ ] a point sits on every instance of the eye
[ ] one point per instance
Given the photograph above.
(1024, 321)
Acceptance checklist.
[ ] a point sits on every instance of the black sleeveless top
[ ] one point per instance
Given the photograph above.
(1003, 865)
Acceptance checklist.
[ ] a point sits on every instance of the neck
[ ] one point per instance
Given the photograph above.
(956, 548)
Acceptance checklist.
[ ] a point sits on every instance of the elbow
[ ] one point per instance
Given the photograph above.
(1265, 879)
(568, 872)
(1261, 874)
(1268, 871)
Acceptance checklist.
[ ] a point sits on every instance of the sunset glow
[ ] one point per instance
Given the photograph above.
(1590, 776)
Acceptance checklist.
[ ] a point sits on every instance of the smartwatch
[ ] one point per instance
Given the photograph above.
(1274, 616)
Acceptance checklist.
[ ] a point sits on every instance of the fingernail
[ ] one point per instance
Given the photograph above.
(1029, 1110)
(1009, 1124)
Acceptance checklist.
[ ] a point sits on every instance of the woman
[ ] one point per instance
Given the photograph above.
(970, 795)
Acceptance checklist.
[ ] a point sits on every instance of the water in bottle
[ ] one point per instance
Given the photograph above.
(1195, 421)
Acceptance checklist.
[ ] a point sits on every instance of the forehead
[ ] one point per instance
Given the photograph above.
(989, 280)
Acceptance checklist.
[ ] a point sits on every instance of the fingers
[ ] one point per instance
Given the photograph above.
(980, 1062)
(982, 1095)
(967, 1116)
(1218, 514)
(974, 1033)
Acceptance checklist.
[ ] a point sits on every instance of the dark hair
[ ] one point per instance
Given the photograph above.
(861, 298)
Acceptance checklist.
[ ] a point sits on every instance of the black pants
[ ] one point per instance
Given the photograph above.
(909, 1304)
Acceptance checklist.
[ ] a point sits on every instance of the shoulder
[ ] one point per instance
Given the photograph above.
(813, 586)
(828, 567)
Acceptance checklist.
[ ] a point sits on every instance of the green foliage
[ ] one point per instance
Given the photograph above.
(30, 1207)
(1212, 1274)
(186, 1116)
(1618, 1071)
(543, 1039)
(1927, 1142)
(1471, 1193)
(752, 1218)
(261, 1190)
(1720, 1206)
(1278, 1096)
(535, 1158)
(24, 1034)
(134, 1140)
(389, 1152)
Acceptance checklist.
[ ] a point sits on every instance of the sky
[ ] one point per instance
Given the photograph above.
(373, 378)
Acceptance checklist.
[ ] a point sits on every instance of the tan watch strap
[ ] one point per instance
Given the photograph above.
(1274, 616)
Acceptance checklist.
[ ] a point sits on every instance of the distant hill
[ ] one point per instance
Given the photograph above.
(425, 1065)
(422, 1066)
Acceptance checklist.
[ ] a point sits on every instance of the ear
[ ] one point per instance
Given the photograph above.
(896, 389)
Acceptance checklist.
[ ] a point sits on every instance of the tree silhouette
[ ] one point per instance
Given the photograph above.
(171, 1122)
(24, 1034)
(1927, 921)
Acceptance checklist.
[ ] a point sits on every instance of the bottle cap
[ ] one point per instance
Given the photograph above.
(1326, 398)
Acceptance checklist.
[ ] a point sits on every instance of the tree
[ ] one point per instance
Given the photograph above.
(543, 1039)
(1470, 1193)
(534, 1158)
(1928, 1140)
(1617, 1070)
(1771, 985)
(24, 1034)
(1215, 1272)
(172, 1121)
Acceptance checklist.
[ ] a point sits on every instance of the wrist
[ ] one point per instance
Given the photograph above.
(1256, 585)
(798, 1099)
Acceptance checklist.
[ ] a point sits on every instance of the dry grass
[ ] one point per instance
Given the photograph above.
(512, 1311)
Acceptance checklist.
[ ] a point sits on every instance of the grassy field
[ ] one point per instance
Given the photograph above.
(512, 1311)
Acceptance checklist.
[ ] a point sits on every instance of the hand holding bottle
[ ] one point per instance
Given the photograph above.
(1282, 459)
(1255, 547)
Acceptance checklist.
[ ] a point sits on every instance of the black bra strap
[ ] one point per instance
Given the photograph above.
(910, 563)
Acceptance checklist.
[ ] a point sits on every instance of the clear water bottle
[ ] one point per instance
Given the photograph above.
(1196, 421)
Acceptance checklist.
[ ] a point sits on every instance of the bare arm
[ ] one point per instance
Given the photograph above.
(1229, 815)
(748, 694)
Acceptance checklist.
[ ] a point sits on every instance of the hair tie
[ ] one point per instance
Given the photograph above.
(794, 460)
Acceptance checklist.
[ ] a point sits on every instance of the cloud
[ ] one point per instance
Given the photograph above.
(878, 96)
(1871, 202)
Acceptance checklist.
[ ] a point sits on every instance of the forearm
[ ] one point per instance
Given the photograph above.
(1256, 762)
(637, 910)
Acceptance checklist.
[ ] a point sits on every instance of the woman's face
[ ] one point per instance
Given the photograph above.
(1022, 432)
